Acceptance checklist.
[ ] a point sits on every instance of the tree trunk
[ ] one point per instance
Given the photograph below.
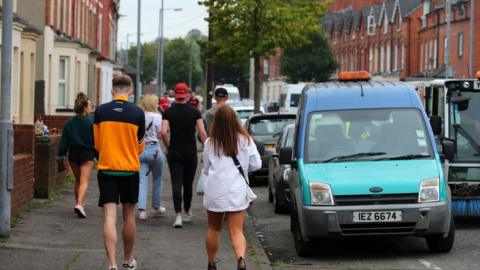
(258, 89)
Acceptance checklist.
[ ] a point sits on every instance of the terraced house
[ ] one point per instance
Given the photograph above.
(60, 47)
(401, 39)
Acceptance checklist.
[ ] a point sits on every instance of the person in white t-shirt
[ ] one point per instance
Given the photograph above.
(151, 160)
(226, 190)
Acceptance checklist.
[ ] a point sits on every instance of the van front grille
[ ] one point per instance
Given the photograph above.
(376, 199)
(378, 228)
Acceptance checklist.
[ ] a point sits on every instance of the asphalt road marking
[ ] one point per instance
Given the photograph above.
(430, 265)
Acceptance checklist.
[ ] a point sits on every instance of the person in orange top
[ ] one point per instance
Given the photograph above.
(119, 131)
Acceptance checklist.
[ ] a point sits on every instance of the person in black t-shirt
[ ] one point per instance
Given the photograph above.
(182, 119)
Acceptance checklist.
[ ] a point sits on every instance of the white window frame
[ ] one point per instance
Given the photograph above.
(370, 60)
(402, 60)
(100, 34)
(389, 55)
(371, 25)
(63, 60)
(460, 44)
(385, 24)
(382, 59)
(395, 55)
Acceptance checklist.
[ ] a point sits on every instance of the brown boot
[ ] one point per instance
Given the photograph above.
(212, 266)
(241, 264)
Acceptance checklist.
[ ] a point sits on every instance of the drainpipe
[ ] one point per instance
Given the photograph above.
(448, 9)
(472, 25)
(6, 127)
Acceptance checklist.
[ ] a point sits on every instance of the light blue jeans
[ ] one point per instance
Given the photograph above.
(151, 162)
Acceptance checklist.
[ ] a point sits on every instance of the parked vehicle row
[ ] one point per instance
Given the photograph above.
(360, 160)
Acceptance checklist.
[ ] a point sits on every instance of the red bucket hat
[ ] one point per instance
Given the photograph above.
(181, 90)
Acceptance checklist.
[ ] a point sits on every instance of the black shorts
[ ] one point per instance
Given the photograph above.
(79, 155)
(112, 188)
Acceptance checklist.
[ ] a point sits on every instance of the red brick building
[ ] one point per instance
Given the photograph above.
(399, 39)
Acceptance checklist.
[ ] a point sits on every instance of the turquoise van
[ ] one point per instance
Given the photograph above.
(365, 163)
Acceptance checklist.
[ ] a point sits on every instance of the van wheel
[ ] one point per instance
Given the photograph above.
(302, 247)
(441, 243)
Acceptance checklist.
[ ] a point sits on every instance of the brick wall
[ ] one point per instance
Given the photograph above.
(24, 139)
(47, 177)
(23, 182)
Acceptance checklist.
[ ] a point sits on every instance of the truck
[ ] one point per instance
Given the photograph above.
(365, 163)
(453, 106)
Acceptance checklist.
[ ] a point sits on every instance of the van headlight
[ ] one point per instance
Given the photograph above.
(321, 194)
(429, 190)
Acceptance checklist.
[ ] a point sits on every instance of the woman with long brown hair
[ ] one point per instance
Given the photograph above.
(226, 190)
(77, 139)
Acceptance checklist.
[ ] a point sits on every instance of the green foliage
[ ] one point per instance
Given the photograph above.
(176, 61)
(250, 28)
(149, 60)
(313, 61)
(254, 28)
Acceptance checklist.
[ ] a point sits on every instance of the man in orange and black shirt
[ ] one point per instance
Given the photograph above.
(119, 130)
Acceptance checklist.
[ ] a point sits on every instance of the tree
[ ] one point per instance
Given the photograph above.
(149, 62)
(255, 28)
(313, 61)
(176, 64)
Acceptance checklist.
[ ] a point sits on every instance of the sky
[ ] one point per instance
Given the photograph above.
(176, 23)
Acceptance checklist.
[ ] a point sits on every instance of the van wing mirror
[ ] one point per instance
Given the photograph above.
(436, 124)
(286, 155)
(448, 146)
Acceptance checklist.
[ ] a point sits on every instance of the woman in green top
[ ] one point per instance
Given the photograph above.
(77, 139)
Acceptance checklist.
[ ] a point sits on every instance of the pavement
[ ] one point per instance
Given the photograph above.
(52, 237)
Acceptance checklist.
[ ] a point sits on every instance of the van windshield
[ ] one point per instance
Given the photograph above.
(359, 135)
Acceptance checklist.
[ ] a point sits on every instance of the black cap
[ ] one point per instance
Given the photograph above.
(221, 92)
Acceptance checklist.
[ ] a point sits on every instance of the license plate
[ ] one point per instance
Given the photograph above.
(476, 85)
(377, 216)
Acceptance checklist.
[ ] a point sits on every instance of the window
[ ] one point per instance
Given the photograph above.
(426, 7)
(62, 81)
(460, 44)
(370, 60)
(435, 52)
(402, 56)
(385, 23)
(100, 27)
(422, 65)
(382, 59)
(395, 57)
(388, 67)
(392, 133)
(266, 67)
(371, 25)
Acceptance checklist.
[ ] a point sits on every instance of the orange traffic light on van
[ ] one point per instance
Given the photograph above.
(478, 74)
(354, 76)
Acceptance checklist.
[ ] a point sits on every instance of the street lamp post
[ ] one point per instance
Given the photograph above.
(160, 48)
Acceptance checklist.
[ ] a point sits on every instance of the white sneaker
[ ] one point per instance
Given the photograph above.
(187, 217)
(80, 211)
(157, 212)
(142, 215)
(131, 266)
(178, 222)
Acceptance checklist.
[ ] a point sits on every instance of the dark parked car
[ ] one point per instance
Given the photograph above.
(265, 129)
(278, 187)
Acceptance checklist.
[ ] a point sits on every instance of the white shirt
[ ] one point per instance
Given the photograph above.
(225, 189)
(155, 119)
